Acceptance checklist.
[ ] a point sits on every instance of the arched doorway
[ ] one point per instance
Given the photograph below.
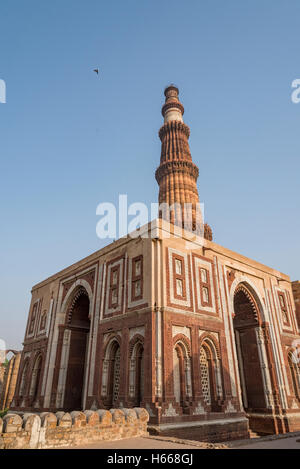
(246, 327)
(78, 323)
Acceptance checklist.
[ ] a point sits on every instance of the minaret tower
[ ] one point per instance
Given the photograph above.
(177, 174)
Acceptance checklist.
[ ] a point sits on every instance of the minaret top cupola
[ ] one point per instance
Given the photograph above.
(172, 110)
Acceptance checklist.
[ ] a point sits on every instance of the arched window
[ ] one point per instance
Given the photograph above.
(210, 375)
(295, 375)
(35, 378)
(181, 373)
(43, 320)
(23, 383)
(136, 374)
(111, 373)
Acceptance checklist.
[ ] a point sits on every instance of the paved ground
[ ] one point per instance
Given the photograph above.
(136, 443)
(282, 443)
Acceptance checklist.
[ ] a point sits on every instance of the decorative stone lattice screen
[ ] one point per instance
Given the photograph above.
(205, 376)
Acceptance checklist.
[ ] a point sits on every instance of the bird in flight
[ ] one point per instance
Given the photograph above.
(96, 70)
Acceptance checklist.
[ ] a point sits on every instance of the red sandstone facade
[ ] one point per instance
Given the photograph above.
(195, 333)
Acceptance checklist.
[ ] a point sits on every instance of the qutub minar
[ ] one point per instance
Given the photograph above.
(197, 334)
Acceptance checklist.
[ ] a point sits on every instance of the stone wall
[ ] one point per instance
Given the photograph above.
(224, 430)
(48, 430)
(9, 380)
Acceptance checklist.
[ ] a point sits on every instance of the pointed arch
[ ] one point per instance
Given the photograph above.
(137, 338)
(210, 339)
(245, 306)
(109, 344)
(243, 283)
(78, 295)
(185, 341)
(79, 287)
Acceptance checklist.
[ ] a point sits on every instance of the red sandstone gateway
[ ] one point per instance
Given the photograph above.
(200, 336)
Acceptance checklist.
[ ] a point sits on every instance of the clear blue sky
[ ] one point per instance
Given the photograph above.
(70, 140)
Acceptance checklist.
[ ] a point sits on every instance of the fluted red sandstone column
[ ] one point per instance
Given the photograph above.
(177, 174)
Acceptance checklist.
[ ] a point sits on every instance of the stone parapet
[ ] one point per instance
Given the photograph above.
(48, 430)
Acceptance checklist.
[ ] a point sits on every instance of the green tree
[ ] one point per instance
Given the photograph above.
(3, 413)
